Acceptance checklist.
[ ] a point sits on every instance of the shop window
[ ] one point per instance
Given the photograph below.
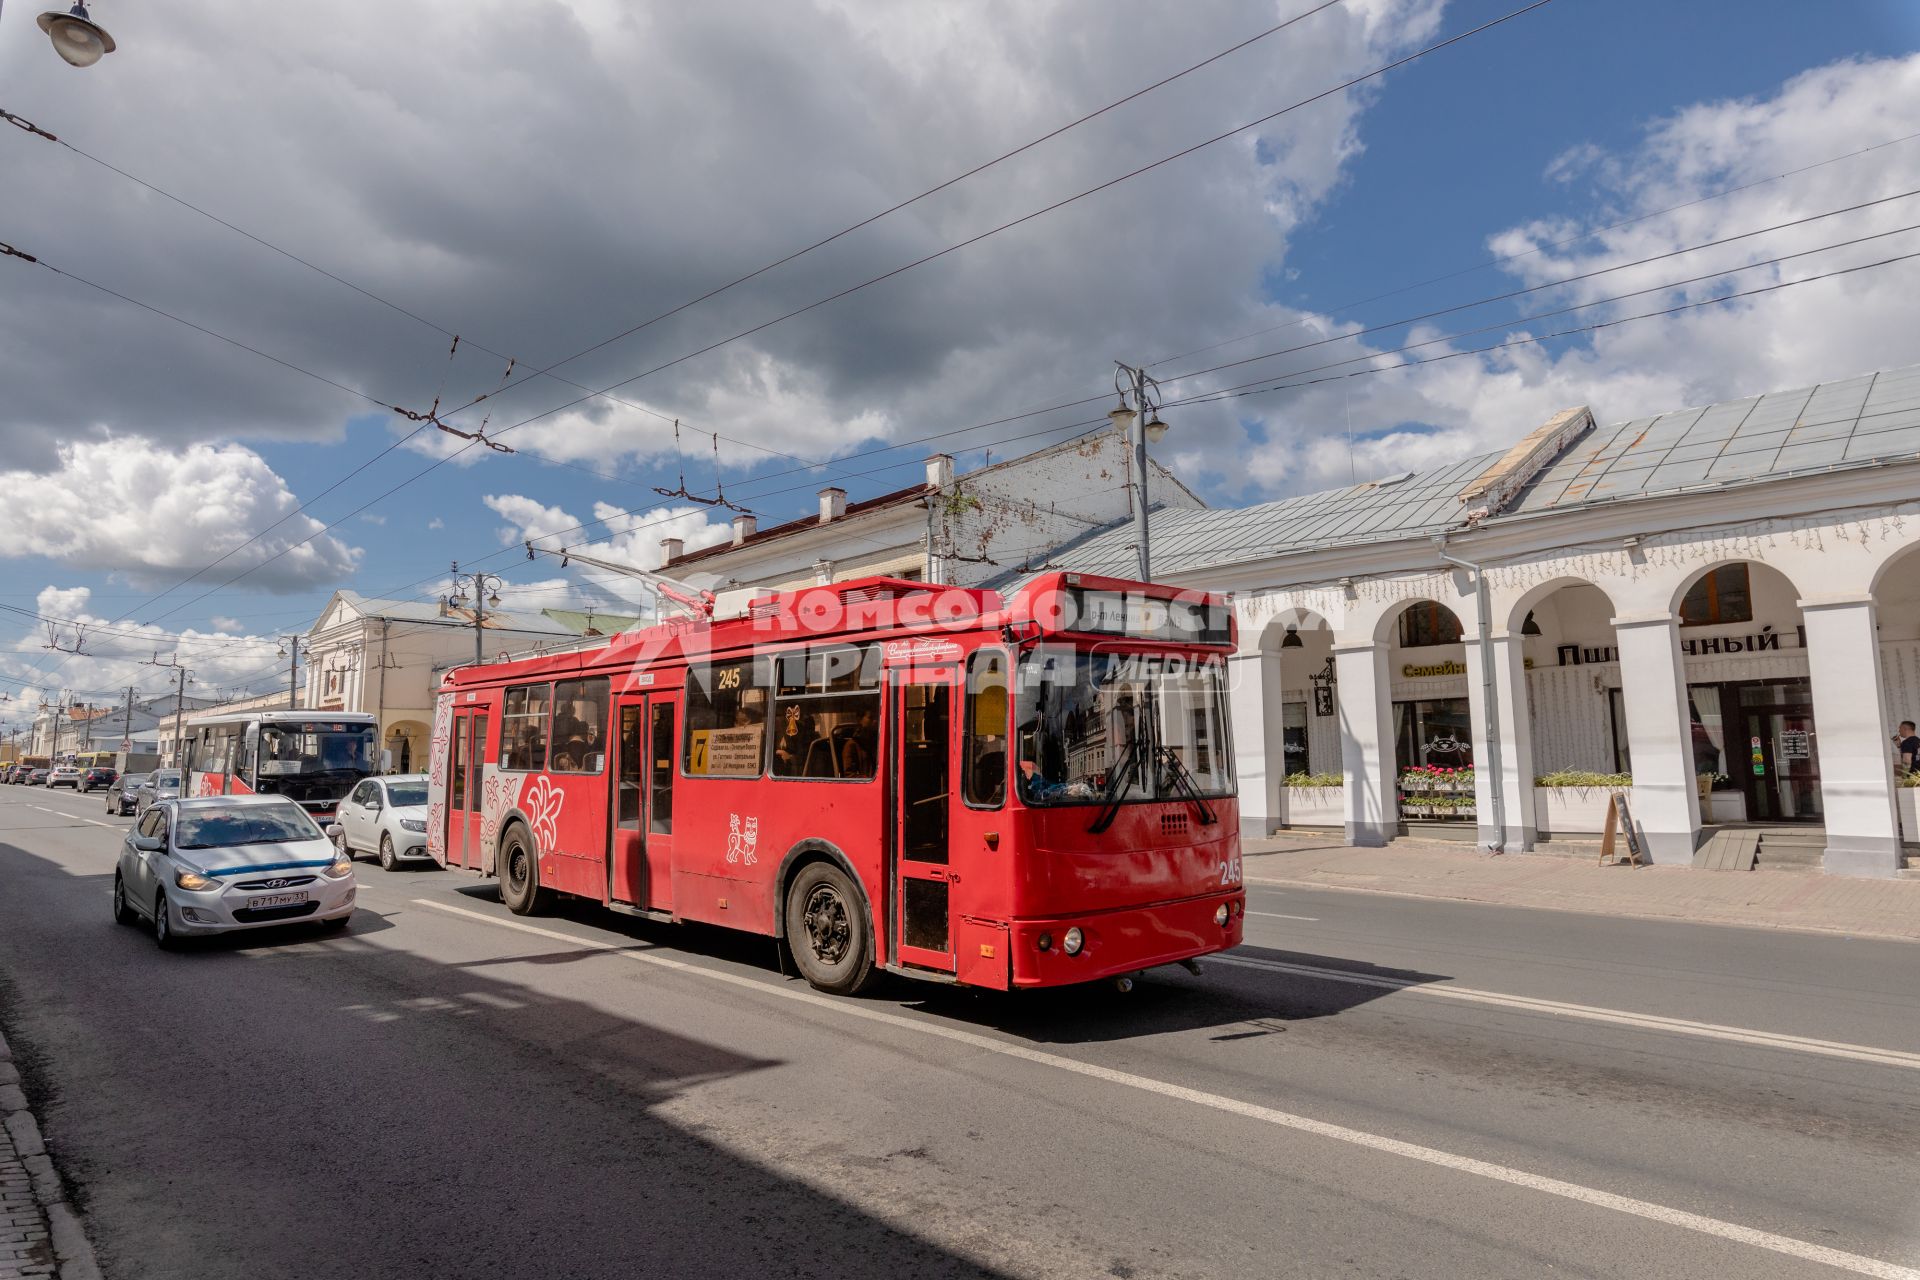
(827, 713)
(523, 728)
(727, 718)
(985, 780)
(1426, 623)
(1724, 595)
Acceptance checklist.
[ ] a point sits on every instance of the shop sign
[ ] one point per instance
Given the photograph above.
(1794, 745)
(1323, 699)
(1765, 640)
(1449, 668)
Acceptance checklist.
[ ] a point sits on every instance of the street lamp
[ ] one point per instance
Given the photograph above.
(77, 38)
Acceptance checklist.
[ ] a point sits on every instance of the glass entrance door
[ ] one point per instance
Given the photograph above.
(922, 795)
(1780, 762)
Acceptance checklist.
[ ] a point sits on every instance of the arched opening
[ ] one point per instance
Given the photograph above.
(1896, 601)
(1750, 710)
(1302, 645)
(1579, 750)
(1432, 719)
(406, 746)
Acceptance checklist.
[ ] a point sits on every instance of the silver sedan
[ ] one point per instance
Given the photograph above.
(223, 863)
(385, 815)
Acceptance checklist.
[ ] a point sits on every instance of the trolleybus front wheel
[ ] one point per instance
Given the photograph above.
(827, 929)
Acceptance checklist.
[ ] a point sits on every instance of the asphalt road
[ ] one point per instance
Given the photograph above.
(1372, 1086)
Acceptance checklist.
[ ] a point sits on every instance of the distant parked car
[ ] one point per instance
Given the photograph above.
(38, 778)
(64, 775)
(161, 784)
(221, 863)
(97, 778)
(386, 814)
(121, 796)
(15, 773)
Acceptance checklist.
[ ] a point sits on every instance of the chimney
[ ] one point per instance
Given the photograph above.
(670, 549)
(743, 527)
(833, 504)
(940, 471)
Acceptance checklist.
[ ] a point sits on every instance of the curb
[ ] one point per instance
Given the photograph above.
(72, 1251)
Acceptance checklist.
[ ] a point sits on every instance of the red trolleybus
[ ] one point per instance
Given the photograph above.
(878, 773)
(312, 758)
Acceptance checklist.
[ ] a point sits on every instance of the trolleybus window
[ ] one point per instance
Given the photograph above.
(579, 726)
(1113, 726)
(660, 816)
(523, 728)
(985, 779)
(826, 713)
(627, 785)
(727, 719)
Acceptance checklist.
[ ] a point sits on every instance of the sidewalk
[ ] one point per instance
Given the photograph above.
(40, 1234)
(1425, 869)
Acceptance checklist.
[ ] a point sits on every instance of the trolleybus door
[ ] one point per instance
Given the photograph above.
(640, 856)
(464, 788)
(921, 794)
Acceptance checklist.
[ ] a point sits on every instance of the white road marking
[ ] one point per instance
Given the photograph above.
(1590, 1013)
(1275, 915)
(1859, 1264)
(76, 817)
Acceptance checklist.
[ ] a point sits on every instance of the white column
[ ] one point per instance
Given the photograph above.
(1365, 699)
(1515, 779)
(1851, 743)
(1259, 757)
(1666, 799)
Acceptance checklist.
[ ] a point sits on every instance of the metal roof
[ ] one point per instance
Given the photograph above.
(1857, 420)
(1874, 416)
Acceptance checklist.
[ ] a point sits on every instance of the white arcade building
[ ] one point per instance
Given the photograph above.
(1721, 604)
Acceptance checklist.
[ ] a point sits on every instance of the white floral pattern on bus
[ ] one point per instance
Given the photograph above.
(542, 803)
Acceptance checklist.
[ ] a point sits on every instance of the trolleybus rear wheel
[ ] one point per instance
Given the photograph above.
(827, 929)
(519, 871)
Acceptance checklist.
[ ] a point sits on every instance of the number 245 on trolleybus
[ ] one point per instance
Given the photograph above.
(878, 773)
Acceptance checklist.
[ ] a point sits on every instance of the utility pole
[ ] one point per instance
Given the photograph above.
(179, 709)
(290, 649)
(459, 601)
(1141, 423)
(126, 729)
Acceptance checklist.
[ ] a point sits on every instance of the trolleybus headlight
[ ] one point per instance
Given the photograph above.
(1221, 914)
(1072, 943)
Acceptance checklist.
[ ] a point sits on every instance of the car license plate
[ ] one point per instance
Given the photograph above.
(277, 900)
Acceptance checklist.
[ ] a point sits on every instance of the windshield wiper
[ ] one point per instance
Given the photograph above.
(1183, 780)
(1117, 786)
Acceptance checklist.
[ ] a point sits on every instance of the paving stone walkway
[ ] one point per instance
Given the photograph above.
(1773, 899)
(40, 1234)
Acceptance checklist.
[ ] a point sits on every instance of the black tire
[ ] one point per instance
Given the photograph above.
(340, 845)
(163, 934)
(387, 861)
(518, 867)
(828, 930)
(123, 912)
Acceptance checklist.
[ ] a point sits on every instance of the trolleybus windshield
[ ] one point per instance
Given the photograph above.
(1112, 726)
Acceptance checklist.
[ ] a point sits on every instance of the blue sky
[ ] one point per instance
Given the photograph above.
(1453, 151)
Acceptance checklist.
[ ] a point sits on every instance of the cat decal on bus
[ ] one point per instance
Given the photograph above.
(742, 840)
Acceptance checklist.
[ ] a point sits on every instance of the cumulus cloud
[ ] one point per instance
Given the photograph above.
(692, 143)
(151, 514)
(115, 655)
(1817, 332)
(624, 537)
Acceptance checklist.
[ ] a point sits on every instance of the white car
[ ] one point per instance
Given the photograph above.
(387, 816)
(223, 863)
(64, 775)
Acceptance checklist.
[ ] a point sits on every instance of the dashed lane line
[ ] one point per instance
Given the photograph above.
(1277, 915)
(76, 817)
(1588, 1013)
(1788, 1246)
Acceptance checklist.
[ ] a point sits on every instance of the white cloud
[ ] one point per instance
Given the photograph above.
(152, 513)
(1812, 333)
(436, 523)
(624, 537)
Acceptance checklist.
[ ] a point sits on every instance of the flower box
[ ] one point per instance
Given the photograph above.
(1313, 806)
(1571, 810)
(1907, 800)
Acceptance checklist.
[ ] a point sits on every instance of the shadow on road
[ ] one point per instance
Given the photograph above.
(241, 1111)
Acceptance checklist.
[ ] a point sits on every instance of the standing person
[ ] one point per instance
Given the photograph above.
(1907, 745)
